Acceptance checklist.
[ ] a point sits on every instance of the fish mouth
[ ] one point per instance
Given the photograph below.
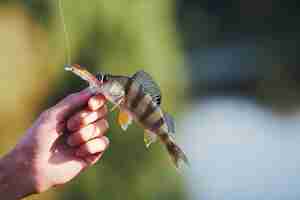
(84, 74)
(73, 67)
(68, 67)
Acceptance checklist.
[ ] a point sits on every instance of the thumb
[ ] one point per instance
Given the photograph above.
(71, 103)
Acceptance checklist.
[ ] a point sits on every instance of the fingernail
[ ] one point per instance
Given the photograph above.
(106, 140)
(106, 124)
(90, 118)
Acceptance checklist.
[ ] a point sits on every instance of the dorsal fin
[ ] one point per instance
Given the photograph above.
(148, 84)
(170, 122)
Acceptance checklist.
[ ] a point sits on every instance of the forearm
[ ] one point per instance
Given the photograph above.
(15, 177)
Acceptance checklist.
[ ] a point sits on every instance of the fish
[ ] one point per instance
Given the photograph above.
(139, 99)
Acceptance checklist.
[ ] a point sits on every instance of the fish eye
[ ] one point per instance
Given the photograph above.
(99, 76)
(102, 77)
(105, 77)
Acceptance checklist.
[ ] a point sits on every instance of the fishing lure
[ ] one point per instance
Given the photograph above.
(138, 98)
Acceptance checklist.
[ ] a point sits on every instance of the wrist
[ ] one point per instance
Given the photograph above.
(16, 177)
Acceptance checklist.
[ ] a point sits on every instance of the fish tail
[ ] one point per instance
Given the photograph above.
(175, 152)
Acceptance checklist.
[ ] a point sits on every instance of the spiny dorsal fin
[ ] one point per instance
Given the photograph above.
(170, 122)
(148, 84)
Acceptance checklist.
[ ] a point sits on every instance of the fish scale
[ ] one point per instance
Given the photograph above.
(135, 97)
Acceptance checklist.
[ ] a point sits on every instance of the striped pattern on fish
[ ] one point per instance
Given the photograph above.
(145, 111)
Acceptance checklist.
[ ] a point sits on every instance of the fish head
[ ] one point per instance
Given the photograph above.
(112, 90)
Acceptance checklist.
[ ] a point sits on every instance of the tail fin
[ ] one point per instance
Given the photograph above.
(177, 155)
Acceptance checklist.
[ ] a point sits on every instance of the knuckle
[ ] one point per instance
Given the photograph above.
(100, 98)
(89, 148)
(70, 125)
(73, 124)
(96, 131)
(94, 99)
(77, 120)
(79, 139)
(75, 140)
(72, 140)
(97, 145)
(85, 133)
(81, 115)
(102, 125)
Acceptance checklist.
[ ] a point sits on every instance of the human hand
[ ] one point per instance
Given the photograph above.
(46, 157)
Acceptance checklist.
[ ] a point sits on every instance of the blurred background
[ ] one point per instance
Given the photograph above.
(228, 70)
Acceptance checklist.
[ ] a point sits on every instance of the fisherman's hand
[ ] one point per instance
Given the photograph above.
(63, 141)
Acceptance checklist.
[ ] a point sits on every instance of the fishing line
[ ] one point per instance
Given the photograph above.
(66, 33)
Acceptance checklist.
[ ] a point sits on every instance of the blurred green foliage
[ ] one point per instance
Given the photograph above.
(114, 36)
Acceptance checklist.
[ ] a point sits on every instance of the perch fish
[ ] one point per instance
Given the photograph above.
(138, 98)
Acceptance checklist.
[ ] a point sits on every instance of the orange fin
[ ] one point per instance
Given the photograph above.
(124, 119)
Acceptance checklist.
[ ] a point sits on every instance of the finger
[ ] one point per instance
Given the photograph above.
(92, 159)
(72, 102)
(96, 145)
(89, 132)
(85, 117)
(96, 102)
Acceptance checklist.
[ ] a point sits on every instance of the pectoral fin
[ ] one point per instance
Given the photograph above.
(124, 119)
(149, 138)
